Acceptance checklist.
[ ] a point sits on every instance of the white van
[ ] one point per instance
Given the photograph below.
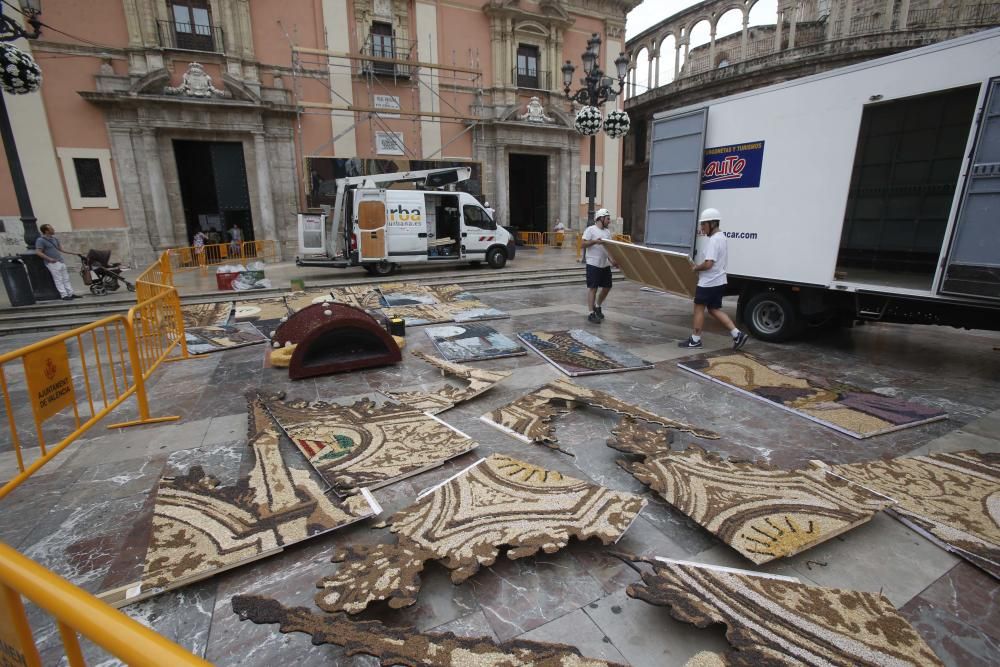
(390, 228)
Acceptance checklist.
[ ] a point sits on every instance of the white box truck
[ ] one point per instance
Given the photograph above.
(380, 228)
(870, 192)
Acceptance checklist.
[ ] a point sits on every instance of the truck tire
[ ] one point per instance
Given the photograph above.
(382, 268)
(771, 316)
(496, 258)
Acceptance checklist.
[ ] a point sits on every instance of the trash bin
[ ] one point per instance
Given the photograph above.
(16, 282)
(42, 284)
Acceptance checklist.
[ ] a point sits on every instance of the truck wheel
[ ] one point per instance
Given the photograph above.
(771, 316)
(382, 268)
(496, 258)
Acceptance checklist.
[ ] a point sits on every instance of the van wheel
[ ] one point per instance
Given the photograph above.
(771, 316)
(496, 258)
(382, 268)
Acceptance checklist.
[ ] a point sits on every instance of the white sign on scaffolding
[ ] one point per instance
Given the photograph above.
(389, 143)
(388, 102)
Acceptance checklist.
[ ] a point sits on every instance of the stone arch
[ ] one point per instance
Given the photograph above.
(665, 63)
(642, 82)
(763, 12)
(729, 22)
(531, 28)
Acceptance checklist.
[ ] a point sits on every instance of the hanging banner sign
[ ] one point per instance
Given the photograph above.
(736, 166)
(50, 382)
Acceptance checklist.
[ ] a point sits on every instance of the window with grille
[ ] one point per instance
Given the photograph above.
(527, 66)
(89, 177)
(192, 23)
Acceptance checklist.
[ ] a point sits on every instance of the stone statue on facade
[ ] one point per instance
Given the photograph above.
(196, 83)
(536, 113)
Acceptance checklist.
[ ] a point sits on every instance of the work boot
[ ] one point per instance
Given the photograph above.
(594, 318)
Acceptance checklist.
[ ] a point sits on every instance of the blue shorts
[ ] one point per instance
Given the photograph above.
(598, 276)
(710, 297)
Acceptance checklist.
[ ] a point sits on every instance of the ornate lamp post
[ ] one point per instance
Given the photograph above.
(19, 75)
(597, 89)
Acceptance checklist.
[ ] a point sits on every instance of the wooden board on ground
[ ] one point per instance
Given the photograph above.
(661, 269)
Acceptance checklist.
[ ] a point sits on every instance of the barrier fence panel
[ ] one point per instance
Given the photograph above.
(77, 613)
(215, 254)
(564, 239)
(532, 239)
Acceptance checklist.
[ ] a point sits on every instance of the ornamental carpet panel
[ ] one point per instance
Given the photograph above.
(778, 621)
(530, 417)
(366, 444)
(206, 314)
(762, 512)
(445, 397)
(405, 646)
(953, 499)
(201, 528)
(472, 342)
(434, 304)
(661, 269)
(463, 522)
(265, 314)
(853, 411)
(578, 352)
(202, 340)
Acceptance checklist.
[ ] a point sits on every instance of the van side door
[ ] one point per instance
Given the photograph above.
(371, 224)
(406, 214)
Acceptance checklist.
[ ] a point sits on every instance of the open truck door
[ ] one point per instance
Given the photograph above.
(973, 266)
(312, 234)
(675, 164)
(371, 227)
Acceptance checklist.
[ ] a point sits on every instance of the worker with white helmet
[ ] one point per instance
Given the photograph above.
(712, 282)
(598, 263)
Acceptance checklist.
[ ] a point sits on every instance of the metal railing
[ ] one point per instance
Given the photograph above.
(564, 239)
(116, 355)
(190, 36)
(201, 257)
(532, 239)
(532, 79)
(77, 613)
(389, 48)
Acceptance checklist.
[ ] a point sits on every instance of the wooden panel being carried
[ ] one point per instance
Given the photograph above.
(371, 223)
(660, 269)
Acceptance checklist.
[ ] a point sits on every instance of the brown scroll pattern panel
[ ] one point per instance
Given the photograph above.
(201, 528)
(465, 521)
(778, 621)
(445, 397)
(762, 512)
(953, 498)
(530, 417)
(404, 646)
(365, 444)
(207, 314)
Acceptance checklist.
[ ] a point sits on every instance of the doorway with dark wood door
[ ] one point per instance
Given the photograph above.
(529, 193)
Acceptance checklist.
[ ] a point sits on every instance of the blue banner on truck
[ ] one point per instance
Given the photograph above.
(736, 166)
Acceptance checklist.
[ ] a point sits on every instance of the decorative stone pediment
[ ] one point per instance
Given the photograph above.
(195, 83)
(536, 113)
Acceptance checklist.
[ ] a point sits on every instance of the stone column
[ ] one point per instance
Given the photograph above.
(649, 75)
(158, 191)
(123, 151)
(777, 31)
(501, 203)
(887, 14)
(677, 59)
(565, 168)
(845, 29)
(745, 35)
(265, 203)
(711, 49)
(904, 15)
(791, 31)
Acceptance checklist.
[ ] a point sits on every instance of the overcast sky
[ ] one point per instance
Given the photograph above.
(651, 12)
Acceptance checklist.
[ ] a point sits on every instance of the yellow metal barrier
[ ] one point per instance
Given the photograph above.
(564, 239)
(214, 254)
(532, 240)
(624, 238)
(76, 612)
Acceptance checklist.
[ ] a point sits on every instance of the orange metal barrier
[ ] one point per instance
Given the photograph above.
(624, 238)
(214, 254)
(532, 240)
(76, 612)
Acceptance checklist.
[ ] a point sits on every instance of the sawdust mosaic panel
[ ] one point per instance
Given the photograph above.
(530, 417)
(203, 340)
(207, 314)
(858, 413)
(761, 512)
(463, 522)
(445, 397)
(265, 314)
(405, 646)
(578, 352)
(472, 342)
(778, 621)
(661, 269)
(366, 444)
(201, 528)
(954, 499)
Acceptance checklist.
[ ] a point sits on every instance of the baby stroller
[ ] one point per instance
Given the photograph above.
(101, 274)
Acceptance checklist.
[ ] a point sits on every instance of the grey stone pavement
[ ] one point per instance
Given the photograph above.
(78, 514)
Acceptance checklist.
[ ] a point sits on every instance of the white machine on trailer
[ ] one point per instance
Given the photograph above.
(380, 228)
(870, 192)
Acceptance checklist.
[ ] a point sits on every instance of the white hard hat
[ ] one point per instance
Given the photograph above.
(710, 214)
(602, 213)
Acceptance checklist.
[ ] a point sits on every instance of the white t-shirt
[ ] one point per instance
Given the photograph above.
(596, 254)
(717, 251)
